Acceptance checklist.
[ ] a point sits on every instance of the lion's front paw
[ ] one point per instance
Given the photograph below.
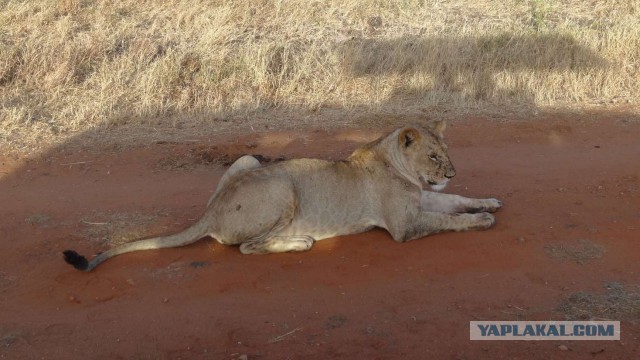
(484, 205)
(492, 205)
(483, 221)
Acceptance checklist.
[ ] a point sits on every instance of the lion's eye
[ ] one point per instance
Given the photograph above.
(433, 157)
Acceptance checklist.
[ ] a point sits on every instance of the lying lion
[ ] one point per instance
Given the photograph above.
(289, 205)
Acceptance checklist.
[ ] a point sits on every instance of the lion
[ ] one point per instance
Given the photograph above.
(289, 205)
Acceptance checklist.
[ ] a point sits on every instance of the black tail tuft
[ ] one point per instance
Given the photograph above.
(78, 261)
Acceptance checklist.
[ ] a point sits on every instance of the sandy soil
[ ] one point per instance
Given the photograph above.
(570, 225)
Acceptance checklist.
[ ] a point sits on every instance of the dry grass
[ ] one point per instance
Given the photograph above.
(582, 252)
(115, 229)
(67, 66)
(619, 302)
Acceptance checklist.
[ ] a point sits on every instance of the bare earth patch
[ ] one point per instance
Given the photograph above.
(582, 252)
(6, 281)
(359, 296)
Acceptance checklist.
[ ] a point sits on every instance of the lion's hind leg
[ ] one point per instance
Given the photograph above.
(280, 237)
(246, 162)
(277, 244)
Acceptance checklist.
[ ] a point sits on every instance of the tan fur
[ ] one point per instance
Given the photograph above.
(289, 205)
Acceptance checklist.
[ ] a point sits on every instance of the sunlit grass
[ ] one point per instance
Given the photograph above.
(71, 65)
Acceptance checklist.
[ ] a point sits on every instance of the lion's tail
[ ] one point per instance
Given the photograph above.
(185, 237)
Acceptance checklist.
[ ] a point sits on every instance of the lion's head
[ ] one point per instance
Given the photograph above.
(425, 154)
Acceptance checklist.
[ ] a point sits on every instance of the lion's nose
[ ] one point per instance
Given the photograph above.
(451, 173)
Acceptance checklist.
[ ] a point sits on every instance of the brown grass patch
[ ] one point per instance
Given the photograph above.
(617, 303)
(582, 252)
(196, 157)
(205, 156)
(113, 229)
(38, 220)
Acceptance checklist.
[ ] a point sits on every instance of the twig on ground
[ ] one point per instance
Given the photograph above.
(94, 223)
(76, 163)
(281, 337)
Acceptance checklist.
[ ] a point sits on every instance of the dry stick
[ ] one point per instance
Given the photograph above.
(281, 337)
(76, 163)
(95, 223)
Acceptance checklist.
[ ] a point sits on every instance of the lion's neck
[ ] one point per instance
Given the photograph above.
(385, 153)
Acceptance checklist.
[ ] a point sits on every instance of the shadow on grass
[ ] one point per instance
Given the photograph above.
(452, 63)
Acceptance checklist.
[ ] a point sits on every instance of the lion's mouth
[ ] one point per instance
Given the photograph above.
(435, 186)
(439, 187)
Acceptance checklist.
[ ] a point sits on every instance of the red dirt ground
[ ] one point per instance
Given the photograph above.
(356, 297)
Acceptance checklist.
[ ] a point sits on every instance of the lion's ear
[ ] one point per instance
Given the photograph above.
(408, 136)
(439, 126)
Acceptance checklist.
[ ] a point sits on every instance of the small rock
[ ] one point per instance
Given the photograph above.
(563, 347)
